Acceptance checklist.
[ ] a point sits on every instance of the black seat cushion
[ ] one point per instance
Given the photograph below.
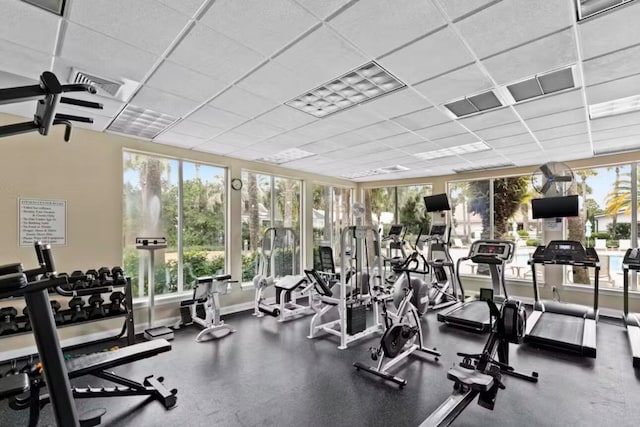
(476, 380)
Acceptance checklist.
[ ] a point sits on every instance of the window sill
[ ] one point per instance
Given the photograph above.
(162, 299)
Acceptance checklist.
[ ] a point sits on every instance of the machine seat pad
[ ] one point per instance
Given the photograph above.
(13, 385)
(12, 282)
(336, 291)
(223, 277)
(85, 365)
(476, 380)
(289, 283)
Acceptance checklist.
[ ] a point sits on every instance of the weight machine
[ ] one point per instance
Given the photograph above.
(48, 94)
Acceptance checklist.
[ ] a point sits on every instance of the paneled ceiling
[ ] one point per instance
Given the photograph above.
(225, 68)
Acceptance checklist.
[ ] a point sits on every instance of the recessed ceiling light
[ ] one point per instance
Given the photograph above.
(624, 149)
(287, 156)
(484, 168)
(362, 84)
(395, 168)
(617, 106)
(453, 151)
(474, 104)
(138, 121)
(542, 84)
(362, 174)
(53, 6)
(588, 8)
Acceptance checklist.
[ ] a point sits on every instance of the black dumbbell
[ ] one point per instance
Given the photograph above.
(78, 280)
(78, 313)
(92, 278)
(96, 308)
(27, 321)
(116, 306)
(118, 276)
(66, 286)
(55, 309)
(104, 275)
(8, 324)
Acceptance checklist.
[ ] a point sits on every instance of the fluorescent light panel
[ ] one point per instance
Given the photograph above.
(484, 168)
(362, 84)
(287, 156)
(53, 6)
(138, 121)
(372, 172)
(453, 151)
(617, 106)
(588, 8)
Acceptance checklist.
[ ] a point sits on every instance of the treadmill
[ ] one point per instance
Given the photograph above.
(631, 261)
(564, 326)
(474, 314)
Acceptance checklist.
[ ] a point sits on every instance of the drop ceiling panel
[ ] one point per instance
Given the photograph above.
(561, 131)
(513, 140)
(442, 131)
(214, 54)
(178, 140)
(142, 23)
(378, 26)
(184, 82)
(257, 131)
(285, 141)
(402, 140)
(242, 102)
(489, 119)
(216, 117)
(279, 83)
(234, 139)
(24, 62)
(502, 131)
(453, 141)
(187, 7)
(465, 81)
(415, 62)
(559, 143)
(321, 56)
(483, 156)
(324, 128)
(550, 104)
(214, 148)
(615, 89)
(511, 23)
(195, 129)
(323, 146)
(620, 33)
(285, 117)
(163, 102)
(558, 119)
(420, 147)
(604, 135)
(397, 103)
(380, 130)
(357, 117)
(25, 110)
(422, 119)
(104, 56)
(539, 56)
(533, 149)
(611, 122)
(322, 9)
(612, 66)
(264, 26)
(458, 8)
(28, 26)
(618, 144)
(571, 152)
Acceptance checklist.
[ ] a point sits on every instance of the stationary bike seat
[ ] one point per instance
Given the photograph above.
(475, 380)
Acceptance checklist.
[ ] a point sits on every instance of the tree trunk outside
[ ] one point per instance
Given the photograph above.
(254, 211)
(326, 199)
(288, 203)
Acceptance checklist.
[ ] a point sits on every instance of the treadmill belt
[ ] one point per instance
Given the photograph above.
(476, 311)
(559, 327)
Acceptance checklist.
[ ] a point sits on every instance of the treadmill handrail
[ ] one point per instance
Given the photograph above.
(566, 262)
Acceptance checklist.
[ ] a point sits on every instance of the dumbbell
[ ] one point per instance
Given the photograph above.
(92, 280)
(96, 309)
(55, 309)
(27, 321)
(116, 306)
(78, 280)
(66, 286)
(78, 313)
(118, 276)
(8, 324)
(104, 276)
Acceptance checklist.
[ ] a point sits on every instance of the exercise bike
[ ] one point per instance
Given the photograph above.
(403, 328)
(480, 374)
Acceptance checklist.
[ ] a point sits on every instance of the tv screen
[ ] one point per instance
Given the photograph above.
(554, 207)
(437, 203)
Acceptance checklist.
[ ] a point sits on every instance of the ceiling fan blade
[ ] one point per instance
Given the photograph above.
(546, 171)
(546, 186)
(563, 178)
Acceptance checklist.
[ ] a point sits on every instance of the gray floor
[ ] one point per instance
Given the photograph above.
(270, 374)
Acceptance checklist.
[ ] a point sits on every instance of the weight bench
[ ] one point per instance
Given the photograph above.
(98, 364)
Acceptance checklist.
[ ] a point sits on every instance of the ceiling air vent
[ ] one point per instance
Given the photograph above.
(474, 104)
(53, 6)
(542, 84)
(393, 169)
(588, 8)
(118, 89)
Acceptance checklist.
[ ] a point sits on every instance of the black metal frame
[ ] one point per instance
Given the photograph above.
(631, 320)
(48, 94)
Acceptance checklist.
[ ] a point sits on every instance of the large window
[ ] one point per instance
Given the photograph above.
(331, 213)
(182, 201)
(269, 201)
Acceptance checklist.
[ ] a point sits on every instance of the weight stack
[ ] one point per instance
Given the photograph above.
(356, 318)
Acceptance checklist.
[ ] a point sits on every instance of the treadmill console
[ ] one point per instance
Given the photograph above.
(632, 259)
(492, 251)
(565, 252)
(438, 230)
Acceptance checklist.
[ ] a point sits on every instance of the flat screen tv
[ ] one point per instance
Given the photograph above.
(554, 207)
(437, 203)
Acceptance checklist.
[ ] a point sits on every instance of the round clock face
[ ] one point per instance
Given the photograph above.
(236, 184)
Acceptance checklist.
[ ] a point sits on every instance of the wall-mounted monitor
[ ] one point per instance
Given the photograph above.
(437, 203)
(554, 207)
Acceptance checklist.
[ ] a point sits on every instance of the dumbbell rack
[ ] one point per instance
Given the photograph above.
(128, 327)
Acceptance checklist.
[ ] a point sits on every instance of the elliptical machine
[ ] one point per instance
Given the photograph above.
(403, 328)
(480, 374)
(445, 288)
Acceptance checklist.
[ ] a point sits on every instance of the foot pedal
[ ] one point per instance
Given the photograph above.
(92, 418)
(161, 332)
